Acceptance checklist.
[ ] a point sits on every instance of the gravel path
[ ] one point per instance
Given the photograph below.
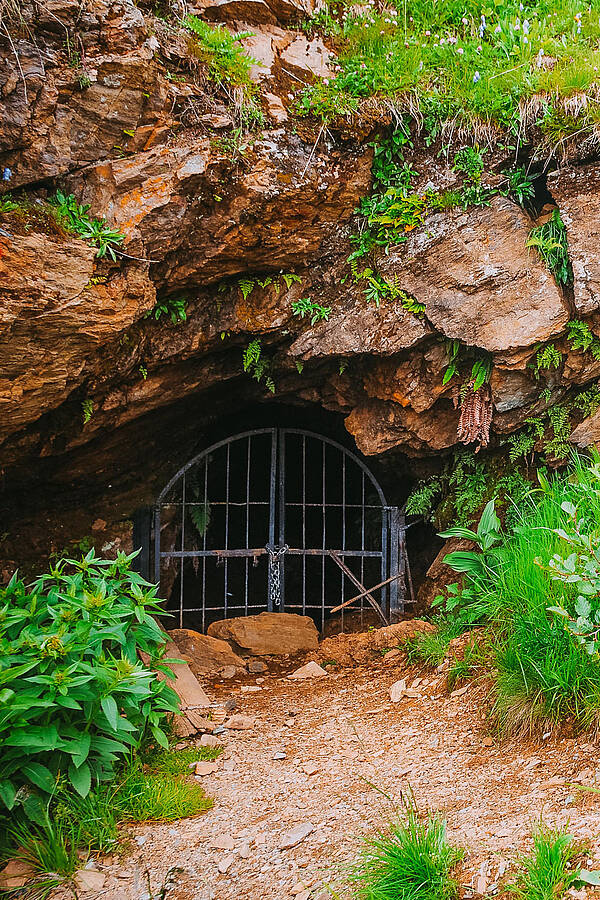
(349, 755)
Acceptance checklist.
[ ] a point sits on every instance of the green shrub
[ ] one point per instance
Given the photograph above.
(74, 697)
(412, 861)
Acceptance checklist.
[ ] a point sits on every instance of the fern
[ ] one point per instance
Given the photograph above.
(246, 286)
(421, 500)
(87, 410)
(289, 279)
(256, 365)
(547, 357)
(200, 516)
(521, 445)
(581, 337)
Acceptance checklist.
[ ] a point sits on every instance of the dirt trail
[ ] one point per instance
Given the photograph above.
(360, 746)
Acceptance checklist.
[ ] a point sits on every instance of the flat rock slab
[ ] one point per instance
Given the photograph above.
(268, 634)
(295, 835)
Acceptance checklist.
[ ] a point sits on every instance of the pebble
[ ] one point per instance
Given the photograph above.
(280, 755)
(224, 864)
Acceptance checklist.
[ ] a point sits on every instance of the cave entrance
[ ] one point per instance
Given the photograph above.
(277, 519)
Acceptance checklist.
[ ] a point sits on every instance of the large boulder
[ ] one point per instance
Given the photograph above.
(204, 654)
(477, 278)
(268, 634)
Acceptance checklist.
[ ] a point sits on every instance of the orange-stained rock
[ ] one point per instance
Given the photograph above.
(203, 653)
(268, 634)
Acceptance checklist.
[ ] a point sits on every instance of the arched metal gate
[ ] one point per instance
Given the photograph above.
(276, 519)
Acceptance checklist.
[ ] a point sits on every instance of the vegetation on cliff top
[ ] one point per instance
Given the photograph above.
(511, 64)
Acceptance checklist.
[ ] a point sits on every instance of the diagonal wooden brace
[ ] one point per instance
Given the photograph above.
(357, 583)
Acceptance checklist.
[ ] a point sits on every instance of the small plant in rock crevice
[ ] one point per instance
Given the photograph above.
(581, 337)
(75, 218)
(547, 357)
(221, 52)
(173, 308)
(247, 284)
(314, 311)
(87, 410)
(257, 365)
(550, 240)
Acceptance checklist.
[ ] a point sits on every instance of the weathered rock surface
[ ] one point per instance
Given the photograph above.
(268, 634)
(128, 121)
(355, 649)
(205, 654)
(379, 426)
(478, 280)
(56, 318)
(577, 193)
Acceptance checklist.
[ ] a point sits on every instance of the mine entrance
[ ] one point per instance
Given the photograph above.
(277, 519)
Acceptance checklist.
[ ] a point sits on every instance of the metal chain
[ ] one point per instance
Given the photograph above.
(275, 554)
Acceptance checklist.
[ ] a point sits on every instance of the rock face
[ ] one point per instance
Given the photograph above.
(268, 634)
(577, 193)
(205, 654)
(478, 280)
(105, 391)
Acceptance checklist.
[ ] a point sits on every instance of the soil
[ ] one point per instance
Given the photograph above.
(365, 754)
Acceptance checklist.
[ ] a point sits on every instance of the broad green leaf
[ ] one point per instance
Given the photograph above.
(464, 561)
(40, 776)
(8, 793)
(489, 521)
(36, 737)
(111, 711)
(160, 737)
(79, 749)
(459, 532)
(81, 778)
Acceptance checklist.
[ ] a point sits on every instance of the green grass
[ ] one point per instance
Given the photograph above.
(547, 872)
(151, 787)
(48, 847)
(431, 648)
(177, 762)
(448, 62)
(221, 52)
(156, 797)
(543, 676)
(410, 861)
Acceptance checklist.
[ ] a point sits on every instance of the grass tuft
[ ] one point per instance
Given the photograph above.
(547, 872)
(411, 861)
(431, 648)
